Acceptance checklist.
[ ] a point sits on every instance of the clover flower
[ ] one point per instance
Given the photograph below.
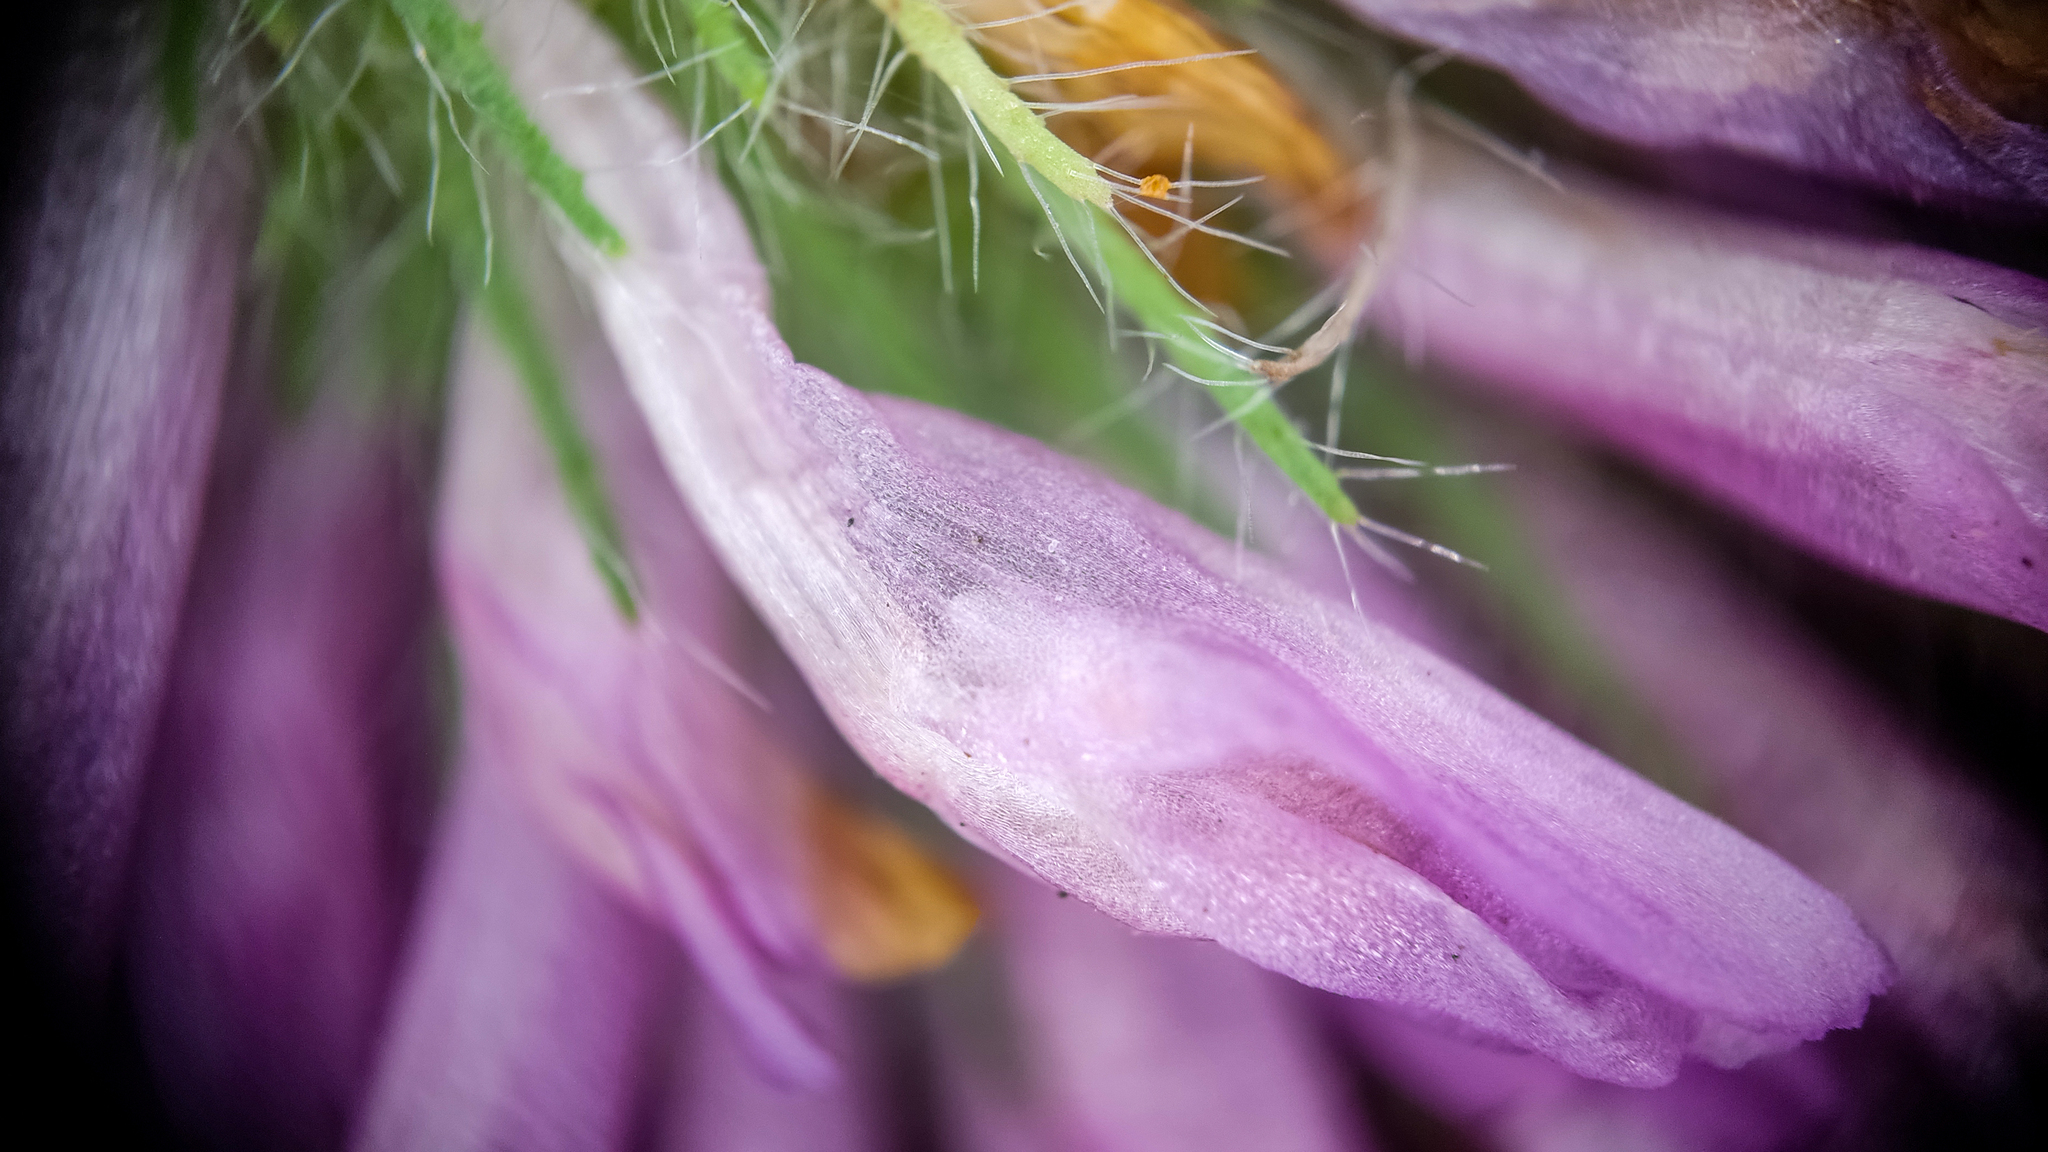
(832, 768)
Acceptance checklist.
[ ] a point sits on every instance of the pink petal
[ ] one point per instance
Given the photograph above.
(521, 1015)
(716, 1098)
(1879, 405)
(1070, 672)
(1515, 1102)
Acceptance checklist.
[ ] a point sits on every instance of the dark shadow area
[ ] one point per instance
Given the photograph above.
(78, 1069)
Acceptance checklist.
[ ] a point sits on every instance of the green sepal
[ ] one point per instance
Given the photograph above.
(1080, 203)
(178, 67)
(738, 56)
(941, 44)
(517, 328)
(1138, 286)
(453, 48)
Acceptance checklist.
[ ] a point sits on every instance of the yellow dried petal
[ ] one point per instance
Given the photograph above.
(1242, 120)
(885, 909)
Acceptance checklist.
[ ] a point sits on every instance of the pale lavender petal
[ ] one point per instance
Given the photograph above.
(1135, 1043)
(1790, 749)
(1882, 405)
(1898, 93)
(637, 742)
(278, 849)
(521, 1019)
(1072, 673)
(121, 284)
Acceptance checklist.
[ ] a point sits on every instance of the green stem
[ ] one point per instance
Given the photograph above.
(184, 20)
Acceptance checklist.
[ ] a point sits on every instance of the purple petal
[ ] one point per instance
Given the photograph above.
(1130, 1043)
(122, 278)
(1881, 93)
(1795, 753)
(521, 1016)
(1881, 405)
(1516, 1102)
(1070, 672)
(277, 854)
(717, 1099)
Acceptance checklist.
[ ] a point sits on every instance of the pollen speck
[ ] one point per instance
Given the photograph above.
(1155, 187)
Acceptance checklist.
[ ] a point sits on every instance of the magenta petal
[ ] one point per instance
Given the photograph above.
(521, 1016)
(637, 741)
(1073, 673)
(1883, 406)
(277, 855)
(121, 283)
(1846, 88)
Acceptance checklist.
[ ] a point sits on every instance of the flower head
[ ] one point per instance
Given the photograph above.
(830, 764)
